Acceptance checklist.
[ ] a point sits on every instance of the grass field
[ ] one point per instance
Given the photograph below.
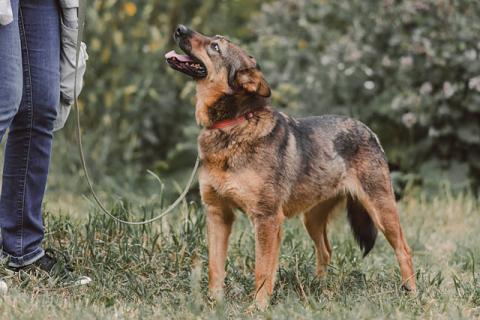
(159, 271)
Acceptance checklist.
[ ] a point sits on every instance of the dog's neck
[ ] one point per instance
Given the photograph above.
(225, 148)
(231, 107)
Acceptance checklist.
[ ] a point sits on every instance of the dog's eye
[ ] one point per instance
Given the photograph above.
(215, 47)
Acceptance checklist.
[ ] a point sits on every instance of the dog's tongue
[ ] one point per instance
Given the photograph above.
(179, 57)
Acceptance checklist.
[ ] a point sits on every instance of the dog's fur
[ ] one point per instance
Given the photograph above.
(272, 166)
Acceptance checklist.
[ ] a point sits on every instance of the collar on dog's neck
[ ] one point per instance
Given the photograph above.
(230, 122)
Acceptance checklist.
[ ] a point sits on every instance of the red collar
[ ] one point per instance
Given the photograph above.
(230, 122)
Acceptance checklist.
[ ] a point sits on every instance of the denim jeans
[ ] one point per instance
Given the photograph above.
(29, 94)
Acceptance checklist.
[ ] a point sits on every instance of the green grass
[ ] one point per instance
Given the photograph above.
(159, 271)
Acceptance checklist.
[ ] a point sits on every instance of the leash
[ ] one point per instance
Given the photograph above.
(81, 26)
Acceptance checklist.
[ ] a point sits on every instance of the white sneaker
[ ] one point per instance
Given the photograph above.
(3, 288)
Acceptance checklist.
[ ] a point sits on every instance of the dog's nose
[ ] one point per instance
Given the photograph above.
(181, 30)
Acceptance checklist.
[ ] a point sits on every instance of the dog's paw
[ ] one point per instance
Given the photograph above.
(257, 306)
(408, 289)
(262, 302)
(216, 294)
(322, 272)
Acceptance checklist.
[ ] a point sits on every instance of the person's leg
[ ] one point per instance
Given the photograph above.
(27, 154)
(11, 86)
(10, 71)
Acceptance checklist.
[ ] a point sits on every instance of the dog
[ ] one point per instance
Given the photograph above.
(272, 167)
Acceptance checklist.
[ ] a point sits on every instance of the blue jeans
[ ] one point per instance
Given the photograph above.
(29, 94)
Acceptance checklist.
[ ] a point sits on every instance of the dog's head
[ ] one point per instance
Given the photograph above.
(219, 68)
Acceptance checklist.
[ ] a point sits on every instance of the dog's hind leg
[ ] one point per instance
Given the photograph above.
(377, 198)
(316, 220)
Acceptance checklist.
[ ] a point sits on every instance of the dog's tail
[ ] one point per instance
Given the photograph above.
(364, 230)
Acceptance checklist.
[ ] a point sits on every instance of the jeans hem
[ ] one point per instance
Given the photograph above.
(25, 260)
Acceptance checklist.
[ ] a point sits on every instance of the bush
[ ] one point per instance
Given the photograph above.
(409, 69)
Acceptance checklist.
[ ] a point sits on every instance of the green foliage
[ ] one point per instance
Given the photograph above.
(409, 69)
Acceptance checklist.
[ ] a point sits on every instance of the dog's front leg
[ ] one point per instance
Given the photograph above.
(219, 227)
(267, 248)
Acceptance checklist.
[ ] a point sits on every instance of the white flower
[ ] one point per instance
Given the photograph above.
(409, 119)
(406, 61)
(474, 83)
(386, 62)
(354, 55)
(349, 71)
(324, 60)
(426, 88)
(368, 71)
(433, 133)
(369, 85)
(448, 89)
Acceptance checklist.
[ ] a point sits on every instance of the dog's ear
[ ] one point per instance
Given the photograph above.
(252, 81)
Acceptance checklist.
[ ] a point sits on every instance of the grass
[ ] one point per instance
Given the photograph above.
(159, 271)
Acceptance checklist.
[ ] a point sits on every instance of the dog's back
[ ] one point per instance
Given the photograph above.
(329, 150)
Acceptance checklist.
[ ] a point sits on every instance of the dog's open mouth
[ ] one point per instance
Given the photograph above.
(187, 64)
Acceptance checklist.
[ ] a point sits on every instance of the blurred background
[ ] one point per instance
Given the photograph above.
(408, 69)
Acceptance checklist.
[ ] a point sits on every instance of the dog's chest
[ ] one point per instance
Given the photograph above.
(240, 187)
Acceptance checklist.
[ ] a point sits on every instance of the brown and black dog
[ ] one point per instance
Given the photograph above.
(272, 166)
